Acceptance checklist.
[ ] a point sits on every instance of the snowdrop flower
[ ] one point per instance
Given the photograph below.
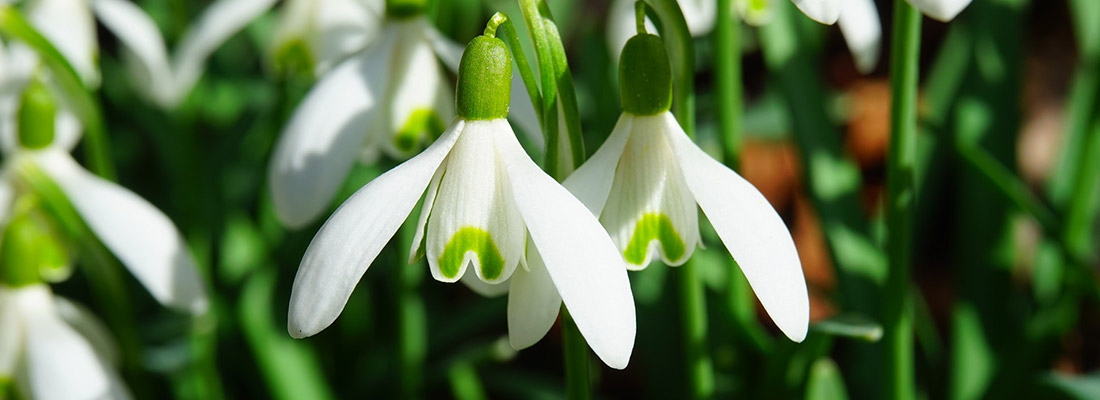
(381, 88)
(829, 11)
(52, 349)
(644, 183)
(484, 199)
(69, 26)
(142, 237)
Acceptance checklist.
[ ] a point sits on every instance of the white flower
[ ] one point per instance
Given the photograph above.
(52, 349)
(385, 91)
(485, 197)
(69, 26)
(829, 11)
(644, 183)
(699, 14)
(141, 236)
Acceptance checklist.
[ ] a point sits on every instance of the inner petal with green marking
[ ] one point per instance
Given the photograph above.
(476, 240)
(422, 123)
(654, 226)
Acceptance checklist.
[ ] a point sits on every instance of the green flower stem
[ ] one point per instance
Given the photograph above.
(14, 26)
(558, 94)
(577, 383)
(511, 39)
(900, 164)
(693, 306)
(412, 326)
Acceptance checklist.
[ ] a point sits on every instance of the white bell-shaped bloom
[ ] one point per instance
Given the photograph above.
(140, 235)
(829, 11)
(485, 197)
(69, 25)
(390, 95)
(644, 183)
(52, 349)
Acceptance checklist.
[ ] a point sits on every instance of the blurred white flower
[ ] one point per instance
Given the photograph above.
(829, 11)
(699, 14)
(380, 88)
(52, 349)
(142, 237)
(485, 198)
(69, 26)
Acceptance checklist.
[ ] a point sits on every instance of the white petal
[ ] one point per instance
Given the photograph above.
(533, 302)
(580, 257)
(416, 251)
(862, 30)
(216, 25)
(11, 333)
(521, 111)
(942, 10)
(700, 15)
(140, 35)
(751, 230)
(354, 235)
(473, 220)
(649, 211)
(7, 199)
(90, 327)
(485, 288)
(142, 237)
(333, 29)
(325, 135)
(823, 11)
(67, 129)
(60, 363)
(591, 182)
(69, 26)
(621, 26)
(416, 86)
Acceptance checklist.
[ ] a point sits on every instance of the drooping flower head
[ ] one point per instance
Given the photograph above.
(648, 180)
(487, 211)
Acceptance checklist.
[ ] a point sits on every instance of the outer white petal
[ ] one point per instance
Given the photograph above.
(943, 10)
(751, 230)
(60, 363)
(700, 15)
(862, 31)
(521, 112)
(484, 288)
(580, 257)
(591, 182)
(533, 303)
(823, 11)
(474, 194)
(325, 135)
(415, 251)
(67, 130)
(7, 198)
(142, 237)
(140, 35)
(354, 235)
(216, 25)
(68, 24)
(622, 25)
(90, 327)
(649, 211)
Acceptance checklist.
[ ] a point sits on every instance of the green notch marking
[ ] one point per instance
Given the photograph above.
(421, 122)
(478, 241)
(653, 226)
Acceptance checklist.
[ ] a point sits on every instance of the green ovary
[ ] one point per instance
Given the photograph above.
(478, 241)
(653, 226)
(421, 122)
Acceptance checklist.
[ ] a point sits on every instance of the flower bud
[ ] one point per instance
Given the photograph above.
(37, 112)
(645, 78)
(405, 8)
(484, 80)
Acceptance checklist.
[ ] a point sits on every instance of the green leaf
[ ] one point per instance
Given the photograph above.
(825, 382)
(853, 326)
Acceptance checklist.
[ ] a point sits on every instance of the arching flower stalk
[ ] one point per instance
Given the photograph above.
(381, 89)
(489, 210)
(648, 181)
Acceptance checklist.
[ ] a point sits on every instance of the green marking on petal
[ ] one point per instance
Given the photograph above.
(478, 241)
(421, 122)
(294, 58)
(6, 389)
(654, 226)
